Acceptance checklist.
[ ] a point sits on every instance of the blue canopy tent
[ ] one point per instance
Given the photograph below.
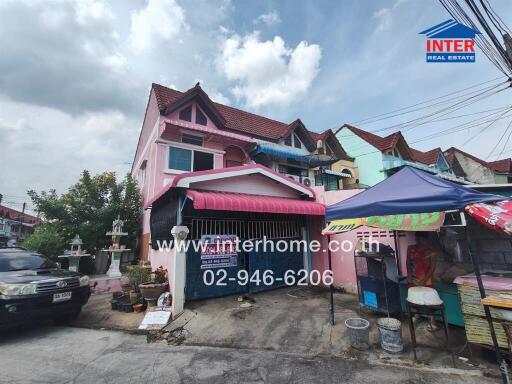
(413, 191)
(408, 191)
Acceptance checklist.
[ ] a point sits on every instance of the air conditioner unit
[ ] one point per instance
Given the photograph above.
(307, 181)
(293, 177)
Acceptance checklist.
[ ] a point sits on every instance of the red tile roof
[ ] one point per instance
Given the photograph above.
(13, 214)
(428, 158)
(501, 166)
(450, 152)
(236, 119)
(321, 135)
(381, 143)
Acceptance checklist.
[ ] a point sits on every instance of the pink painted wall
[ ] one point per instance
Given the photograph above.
(155, 153)
(164, 259)
(343, 260)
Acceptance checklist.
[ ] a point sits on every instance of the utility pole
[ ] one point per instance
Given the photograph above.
(21, 221)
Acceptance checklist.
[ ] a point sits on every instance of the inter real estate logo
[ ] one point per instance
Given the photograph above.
(450, 42)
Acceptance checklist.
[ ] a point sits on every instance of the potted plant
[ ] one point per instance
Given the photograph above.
(157, 284)
(136, 276)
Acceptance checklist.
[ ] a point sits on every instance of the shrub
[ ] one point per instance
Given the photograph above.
(138, 275)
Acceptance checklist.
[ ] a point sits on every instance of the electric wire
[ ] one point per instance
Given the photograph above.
(499, 141)
(426, 101)
(506, 142)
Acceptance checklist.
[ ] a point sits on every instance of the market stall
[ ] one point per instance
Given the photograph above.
(411, 191)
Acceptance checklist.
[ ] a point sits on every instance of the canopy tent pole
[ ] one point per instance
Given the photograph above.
(481, 288)
(397, 253)
(331, 286)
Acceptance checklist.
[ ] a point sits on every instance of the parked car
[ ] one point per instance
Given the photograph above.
(33, 288)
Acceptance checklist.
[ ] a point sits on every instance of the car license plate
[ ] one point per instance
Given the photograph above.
(63, 296)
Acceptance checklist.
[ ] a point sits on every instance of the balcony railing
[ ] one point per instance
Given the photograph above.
(390, 162)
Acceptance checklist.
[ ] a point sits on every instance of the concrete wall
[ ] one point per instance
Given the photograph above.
(494, 251)
(475, 172)
(368, 159)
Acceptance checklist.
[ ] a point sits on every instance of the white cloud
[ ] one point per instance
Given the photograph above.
(52, 150)
(268, 72)
(92, 10)
(220, 98)
(384, 16)
(269, 18)
(160, 19)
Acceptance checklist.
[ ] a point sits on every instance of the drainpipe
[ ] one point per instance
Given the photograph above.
(182, 199)
(307, 237)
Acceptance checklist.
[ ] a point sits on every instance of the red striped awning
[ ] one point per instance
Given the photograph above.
(241, 202)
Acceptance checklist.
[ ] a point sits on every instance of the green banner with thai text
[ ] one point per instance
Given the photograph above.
(403, 222)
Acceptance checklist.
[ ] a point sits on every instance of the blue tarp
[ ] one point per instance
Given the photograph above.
(408, 191)
(293, 154)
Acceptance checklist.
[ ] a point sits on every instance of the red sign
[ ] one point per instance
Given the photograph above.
(495, 216)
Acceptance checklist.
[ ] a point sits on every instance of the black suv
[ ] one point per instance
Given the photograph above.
(32, 288)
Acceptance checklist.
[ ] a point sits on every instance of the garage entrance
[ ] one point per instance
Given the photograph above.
(247, 275)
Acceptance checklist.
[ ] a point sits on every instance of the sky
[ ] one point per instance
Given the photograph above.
(75, 75)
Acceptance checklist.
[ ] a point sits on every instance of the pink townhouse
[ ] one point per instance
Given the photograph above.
(221, 171)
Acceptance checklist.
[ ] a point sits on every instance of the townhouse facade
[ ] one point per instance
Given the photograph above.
(378, 157)
(15, 225)
(186, 132)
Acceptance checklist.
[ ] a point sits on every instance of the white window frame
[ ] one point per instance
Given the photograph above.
(142, 174)
(190, 147)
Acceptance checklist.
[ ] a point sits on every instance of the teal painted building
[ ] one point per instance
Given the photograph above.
(379, 157)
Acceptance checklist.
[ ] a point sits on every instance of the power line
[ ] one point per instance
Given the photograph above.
(479, 132)
(497, 18)
(424, 102)
(464, 103)
(451, 130)
(506, 142)
(494, 52)
(499, 141)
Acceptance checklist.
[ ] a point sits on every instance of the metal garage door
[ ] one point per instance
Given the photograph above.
(278, 262)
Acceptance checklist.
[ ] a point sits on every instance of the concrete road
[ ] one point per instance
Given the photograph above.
(75, 355)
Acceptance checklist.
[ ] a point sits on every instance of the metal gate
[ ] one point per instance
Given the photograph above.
(256, 260)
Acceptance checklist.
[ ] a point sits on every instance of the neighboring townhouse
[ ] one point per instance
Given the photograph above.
(15, 225)
(479, 171)
(502, 171)
(342, 174)
(378, 157)
(186, 132)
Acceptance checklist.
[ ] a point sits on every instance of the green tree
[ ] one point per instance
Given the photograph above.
(48, 240)
(89, 207)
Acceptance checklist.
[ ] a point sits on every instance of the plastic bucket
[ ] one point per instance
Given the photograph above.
(390, 331)
(359, 332)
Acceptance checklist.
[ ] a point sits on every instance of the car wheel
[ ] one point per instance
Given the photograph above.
(68, 317)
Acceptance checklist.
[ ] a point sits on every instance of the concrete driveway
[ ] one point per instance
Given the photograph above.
(290, 320)
(74, 355)
(295, 320)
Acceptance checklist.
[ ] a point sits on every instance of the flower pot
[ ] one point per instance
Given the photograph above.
(152, 292)
(126, 288)
(134, 297)
(138, 307)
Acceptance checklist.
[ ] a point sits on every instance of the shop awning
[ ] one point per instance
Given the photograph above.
(339, 174)
(408, 191)
(225, 201)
